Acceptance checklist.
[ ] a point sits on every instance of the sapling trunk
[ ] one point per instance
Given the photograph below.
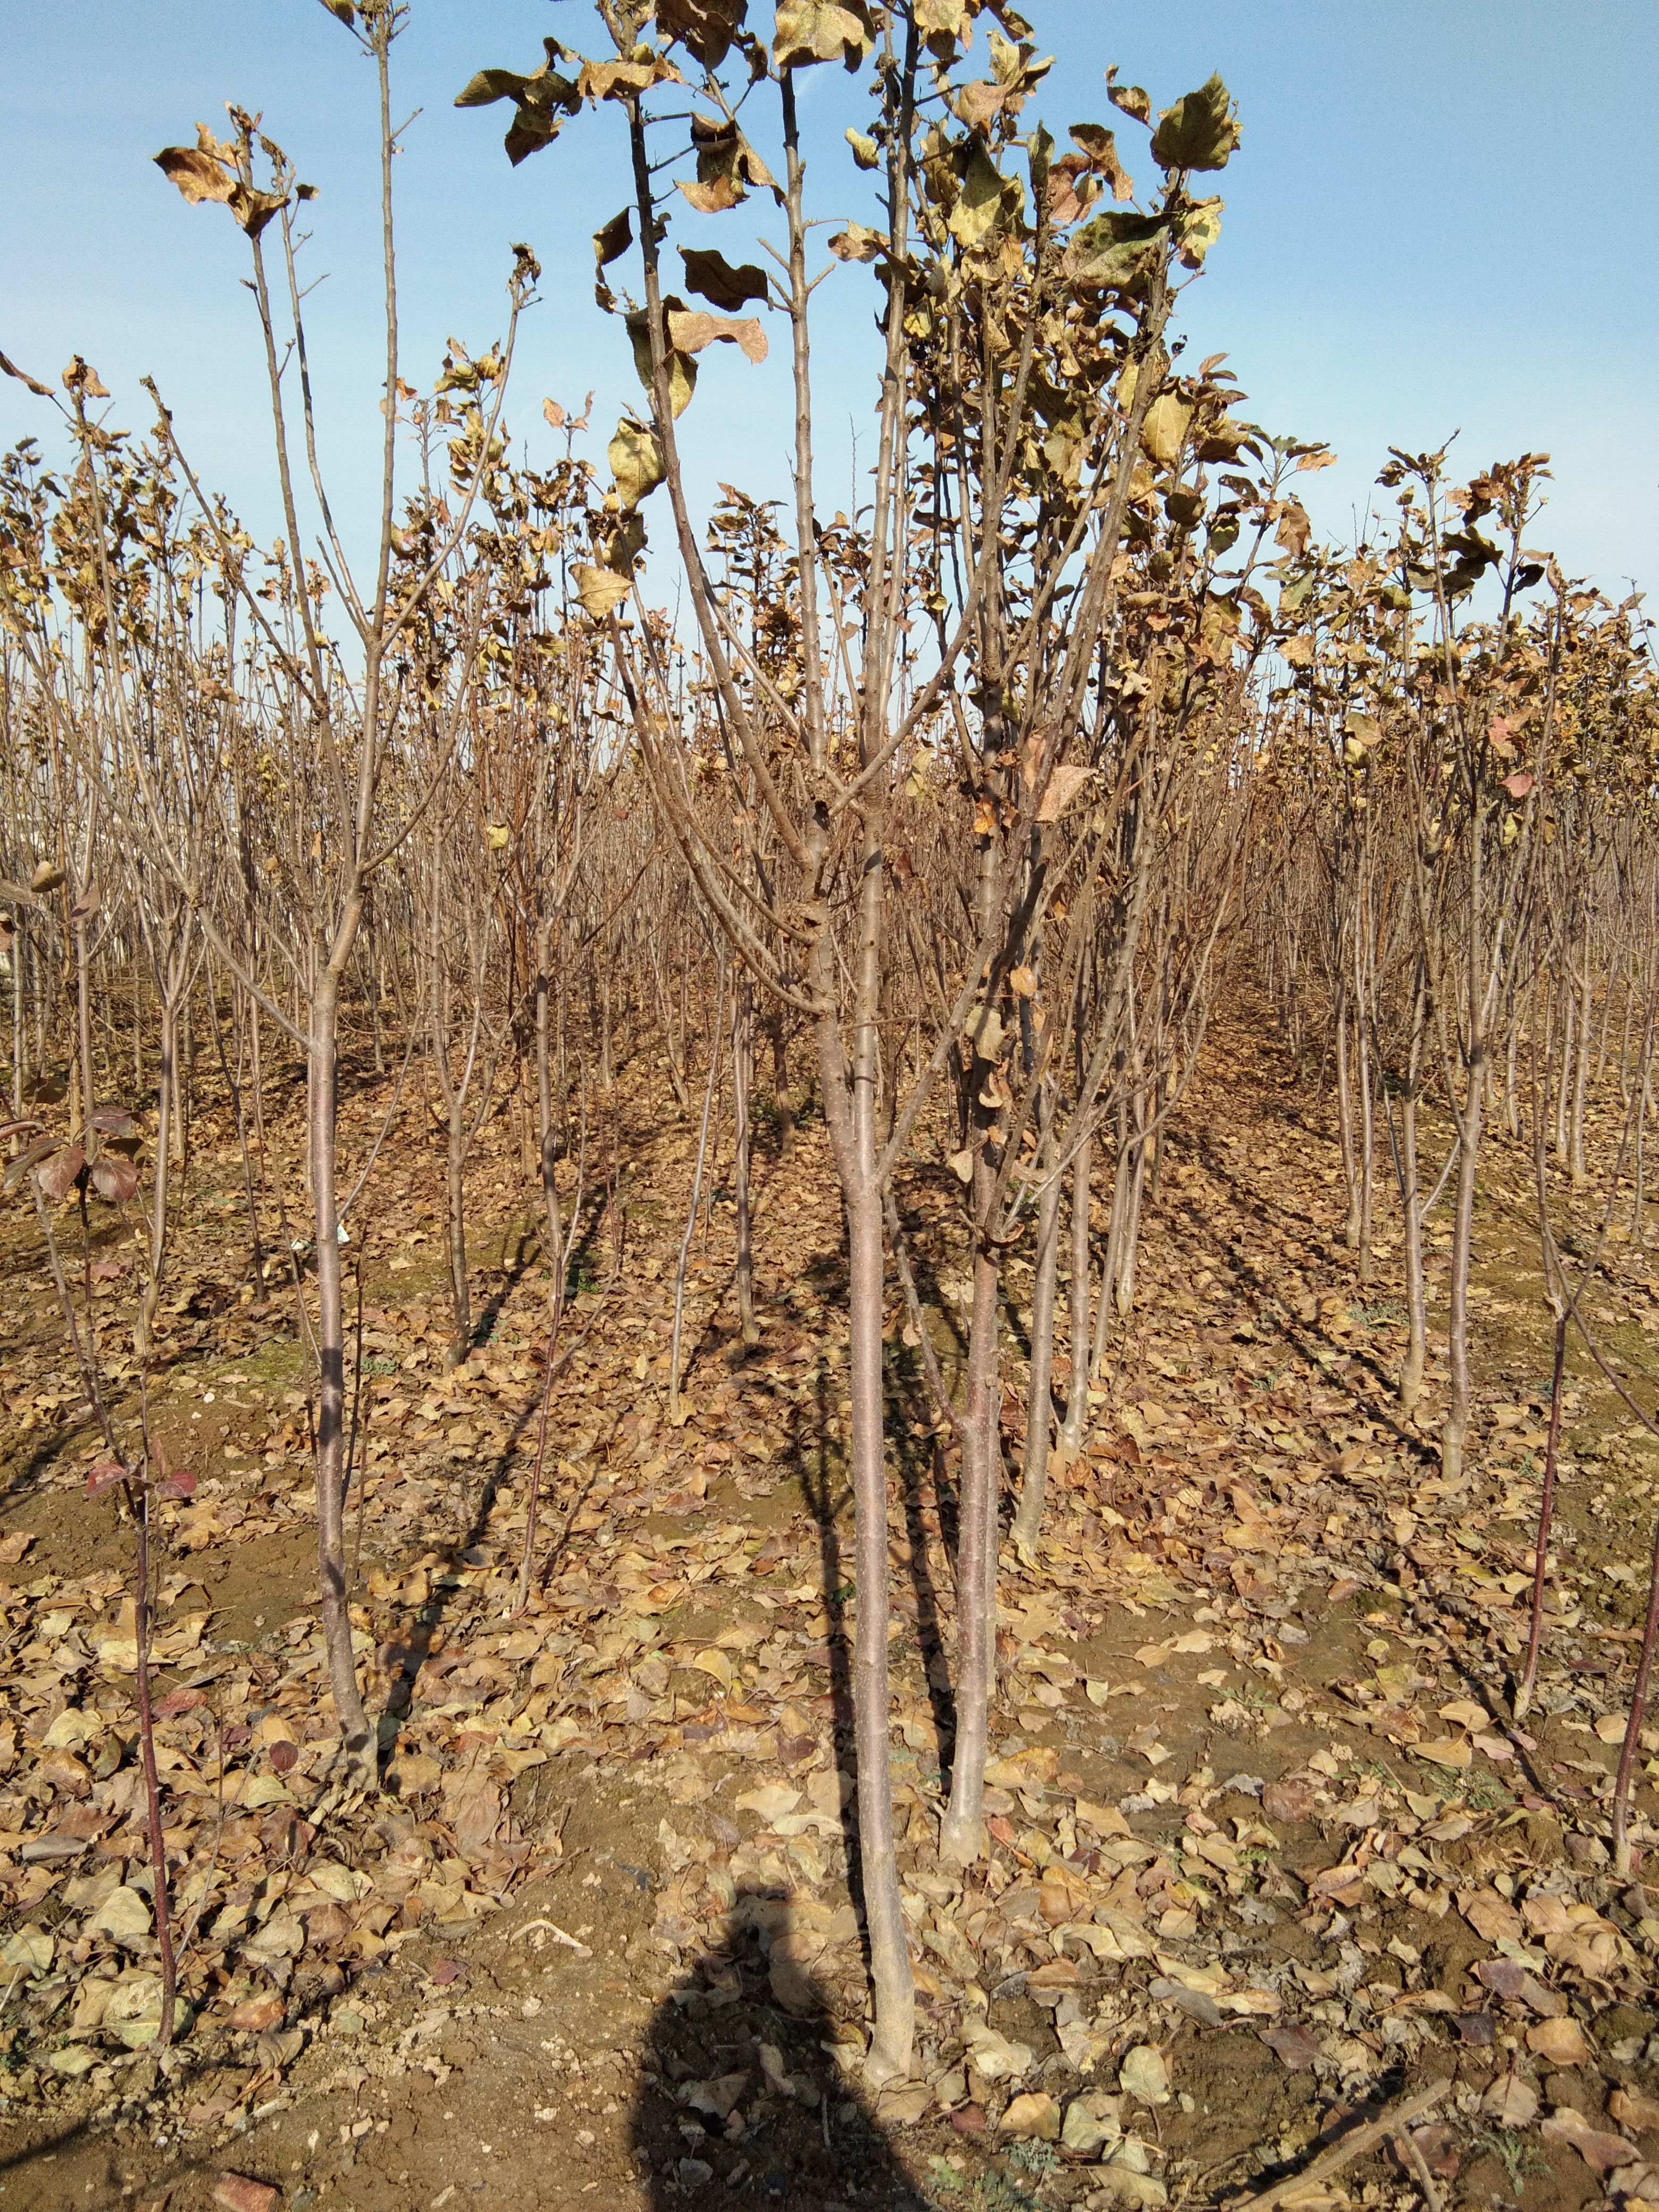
(1546, 1512)
(1120, 1182)
(961, 1838)
(1039, 1404)
(233, 1085)
(1411, 1372)
(743, 1058)
(782, 1105)
(1564, 1093)
(1408, 1173)
(19, 1048)
(1581, 1074)
(1511, 1098)
(1126, 1255)
(1077, 1397)
(962, 1832)
(527, 1556)
(930, 1367)
(184, 1094)
(1639, 1186)
(356, 1738)
(562, 1254)
(1367, 1149)
(894, 1987)
(1345, 1123)
(547, 1145)
(1625, 1779)
(460, 1287)
(1455, 1433)
(138, 1498)
(165, 1109)
(455, 1093)
(676, 1416)
(83, 1008)
(849, 1108)
(676, 1073)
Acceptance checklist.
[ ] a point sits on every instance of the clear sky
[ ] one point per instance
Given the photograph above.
(1441, 220)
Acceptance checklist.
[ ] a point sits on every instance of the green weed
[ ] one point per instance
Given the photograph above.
(1487, 1796)
(1517, 2157)
(995, 2189)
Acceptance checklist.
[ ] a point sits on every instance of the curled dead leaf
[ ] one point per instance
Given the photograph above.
(690, 329)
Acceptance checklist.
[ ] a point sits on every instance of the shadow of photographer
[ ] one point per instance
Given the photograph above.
(745, 2090)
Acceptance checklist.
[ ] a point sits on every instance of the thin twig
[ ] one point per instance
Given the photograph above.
(1357, 2145)
(1410, 2153)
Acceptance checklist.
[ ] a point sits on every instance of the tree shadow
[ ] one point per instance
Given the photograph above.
(742, 2088)
(531, 1246)
(406, 1654)
(928, 1499)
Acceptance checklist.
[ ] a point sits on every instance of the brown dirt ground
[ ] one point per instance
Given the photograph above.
(651, 1994)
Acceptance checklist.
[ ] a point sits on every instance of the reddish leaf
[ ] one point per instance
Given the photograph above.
(58, 1176)
(1520, 783)
(1602, 2152)
(1500, 736)
(1293, 2046)
(178, 1482)
(114, 1178)
(1439, 2145)
(41, 1149)
(283, 1756)
(102, 1474)
(1505, 1977)
(1293, 1799)
(112, 1122)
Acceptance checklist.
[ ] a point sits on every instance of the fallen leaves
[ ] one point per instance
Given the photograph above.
(125, 1914)
(1491, 1916)
(1454, 1752)
(1511, 2101)
(1033, 2114)
(1635, 2109)
(1602, 2152)
(995, 2057)
(1561, 2041)
(29, 1950)
(1145, 2073)
(1290, 1801)
(771, 1801)
(690, 1645)
(1294, 2047)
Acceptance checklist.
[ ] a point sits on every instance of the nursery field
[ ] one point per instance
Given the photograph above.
(827, 1332)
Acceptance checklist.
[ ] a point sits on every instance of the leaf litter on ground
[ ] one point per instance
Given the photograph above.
(1252, 1774)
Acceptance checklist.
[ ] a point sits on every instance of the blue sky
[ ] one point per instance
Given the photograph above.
(1440, 219)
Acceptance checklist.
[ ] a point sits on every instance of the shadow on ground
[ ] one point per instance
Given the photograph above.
(742, 2090)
